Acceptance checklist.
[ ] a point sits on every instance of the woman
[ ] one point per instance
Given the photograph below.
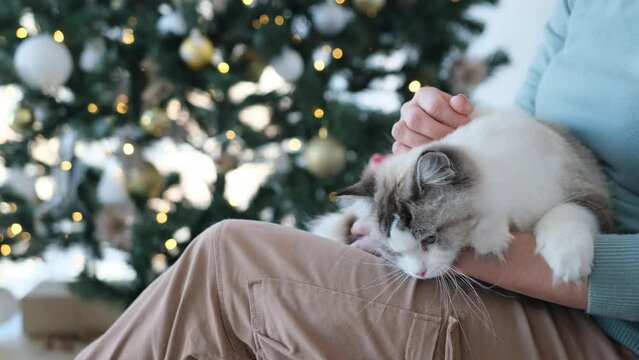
(246, 289)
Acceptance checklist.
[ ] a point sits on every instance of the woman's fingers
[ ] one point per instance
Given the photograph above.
(436, 103)
(461, 104)
(407, 137)
(420, 122)
(399, 148)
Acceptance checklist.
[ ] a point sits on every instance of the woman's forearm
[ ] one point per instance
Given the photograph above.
(524, 272)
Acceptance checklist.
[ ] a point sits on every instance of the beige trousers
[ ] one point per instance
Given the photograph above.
(246, 290)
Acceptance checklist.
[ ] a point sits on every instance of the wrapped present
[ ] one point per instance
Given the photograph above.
(50, 309)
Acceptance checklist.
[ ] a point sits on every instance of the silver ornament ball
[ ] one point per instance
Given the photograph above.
(42, 63)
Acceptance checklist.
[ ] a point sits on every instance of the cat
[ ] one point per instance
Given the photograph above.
(503, 171)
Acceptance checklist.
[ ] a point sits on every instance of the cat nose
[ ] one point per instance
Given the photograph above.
(422, 274)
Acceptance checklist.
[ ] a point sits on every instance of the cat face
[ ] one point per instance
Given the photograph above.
(422, 205)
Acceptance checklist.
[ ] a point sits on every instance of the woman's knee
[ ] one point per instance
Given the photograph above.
(228, 230)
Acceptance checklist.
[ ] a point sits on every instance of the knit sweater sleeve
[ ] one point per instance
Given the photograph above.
(553, 42)
(614, 282)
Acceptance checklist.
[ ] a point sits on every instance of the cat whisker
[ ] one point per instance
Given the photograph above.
(379, 280)
(403, 280)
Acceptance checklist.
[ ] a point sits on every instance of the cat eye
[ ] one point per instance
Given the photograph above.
(428, 240)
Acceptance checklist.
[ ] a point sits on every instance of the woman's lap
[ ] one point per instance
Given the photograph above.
(245, 287)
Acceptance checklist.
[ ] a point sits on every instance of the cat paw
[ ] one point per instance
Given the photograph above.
(568, 255)
(491, 243)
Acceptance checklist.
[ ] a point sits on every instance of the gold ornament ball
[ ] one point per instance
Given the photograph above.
(155, 121)
(325, 157)
(369, 7)
(196, 51)
(144, 180)
(22, 118)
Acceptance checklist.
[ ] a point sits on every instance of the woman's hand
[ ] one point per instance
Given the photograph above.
(430, 115)
(524, 272)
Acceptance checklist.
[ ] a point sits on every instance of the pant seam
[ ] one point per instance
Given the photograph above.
(220, 286)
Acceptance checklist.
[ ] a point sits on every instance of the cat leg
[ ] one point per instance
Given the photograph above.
(491, 236)
(565, 238)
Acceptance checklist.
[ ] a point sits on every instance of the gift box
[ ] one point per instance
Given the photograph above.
(50, 309)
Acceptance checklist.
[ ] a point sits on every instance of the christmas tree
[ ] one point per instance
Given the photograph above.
(141, 123)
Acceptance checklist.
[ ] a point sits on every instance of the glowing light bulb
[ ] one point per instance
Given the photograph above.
(414, 85)
(58, 36)
(76, 216)
(318, 113)
(128, 37)
(21, 33)
(223, 67)
(66, 165)
(170, 244)
(128, 149)
(93, 108)
(230, 134)
(294, 144)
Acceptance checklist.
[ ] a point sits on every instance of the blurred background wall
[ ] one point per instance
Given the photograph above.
(517, 26)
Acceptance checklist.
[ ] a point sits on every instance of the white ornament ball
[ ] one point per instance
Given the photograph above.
(42, 63)
(330, 18)
(172, 23)
(8, 305)
(288, 64)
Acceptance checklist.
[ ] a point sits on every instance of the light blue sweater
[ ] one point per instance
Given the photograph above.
(586, 78)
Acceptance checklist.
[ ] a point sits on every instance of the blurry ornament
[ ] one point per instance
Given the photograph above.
(157, 91)
(289, 64)
(111, 189)
(196, 50)
(92, 56)
(117, 4)
(369, 7)
(8, 305)
(155, 121)
(465, 74)
(226, 162)
(330, 18)
(144, 180)
(22, 118)
(325, 156)
(172, 23)
(43, 63)
(158, 263)
(114, 224)
(253, 62)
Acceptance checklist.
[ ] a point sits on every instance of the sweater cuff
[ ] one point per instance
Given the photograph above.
(613, 285)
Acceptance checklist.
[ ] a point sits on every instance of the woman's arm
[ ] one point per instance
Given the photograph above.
(524, 272)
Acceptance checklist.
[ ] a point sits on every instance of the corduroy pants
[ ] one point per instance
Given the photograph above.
(251, 290)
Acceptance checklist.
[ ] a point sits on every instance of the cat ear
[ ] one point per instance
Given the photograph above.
(433, 168)
(364, 187)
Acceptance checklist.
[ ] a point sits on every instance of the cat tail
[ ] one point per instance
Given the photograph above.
(335, 226)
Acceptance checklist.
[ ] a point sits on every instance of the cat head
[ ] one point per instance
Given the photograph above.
(422, 207)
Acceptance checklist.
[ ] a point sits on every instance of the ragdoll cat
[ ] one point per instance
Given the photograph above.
(500, 172)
